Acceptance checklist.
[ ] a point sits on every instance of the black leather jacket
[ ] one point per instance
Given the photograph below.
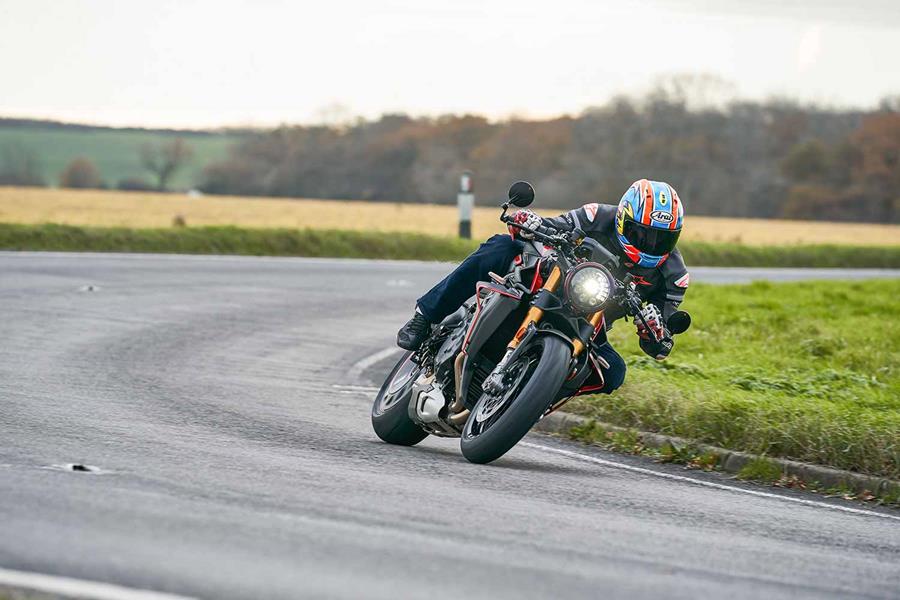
(664, 285)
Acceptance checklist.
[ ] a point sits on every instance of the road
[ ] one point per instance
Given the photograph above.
(236, 458)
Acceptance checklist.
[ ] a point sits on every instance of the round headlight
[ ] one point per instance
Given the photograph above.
(588, 287)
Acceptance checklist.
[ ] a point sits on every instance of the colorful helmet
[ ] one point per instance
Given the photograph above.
(648, 222)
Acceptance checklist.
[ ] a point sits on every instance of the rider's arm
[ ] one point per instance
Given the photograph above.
(588, 218)
(667, 300)
(677, 279)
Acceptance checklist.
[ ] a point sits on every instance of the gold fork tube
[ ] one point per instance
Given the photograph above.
(534, 313)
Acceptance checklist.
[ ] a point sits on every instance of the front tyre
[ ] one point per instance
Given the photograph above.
(390, 415)
(497, 423)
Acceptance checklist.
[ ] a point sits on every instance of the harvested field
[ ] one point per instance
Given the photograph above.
(148, 210)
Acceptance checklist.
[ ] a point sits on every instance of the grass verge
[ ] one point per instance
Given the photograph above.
(366, 244)
(762, 470)
(804, 371)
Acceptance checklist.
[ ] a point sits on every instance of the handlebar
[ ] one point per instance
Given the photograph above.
(541, 233)
(632, 304)
(629, 299)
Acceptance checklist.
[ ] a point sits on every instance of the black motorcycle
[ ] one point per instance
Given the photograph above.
(516, 351)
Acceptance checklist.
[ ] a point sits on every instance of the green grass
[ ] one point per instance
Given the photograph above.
(761, 469)
(114, 152)
(807, 371)
(365, 244)
(737, 255)
(233, 240)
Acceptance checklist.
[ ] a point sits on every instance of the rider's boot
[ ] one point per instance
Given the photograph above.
(411, 335)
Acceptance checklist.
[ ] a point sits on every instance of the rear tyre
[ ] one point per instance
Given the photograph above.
(390, 412)
(497, 423)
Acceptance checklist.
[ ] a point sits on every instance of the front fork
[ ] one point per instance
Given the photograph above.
(493, 384)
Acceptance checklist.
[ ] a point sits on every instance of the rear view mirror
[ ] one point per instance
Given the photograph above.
(679, 322)
(521, 194)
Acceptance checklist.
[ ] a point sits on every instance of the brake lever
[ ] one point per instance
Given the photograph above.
(632, 305)
(656, 338)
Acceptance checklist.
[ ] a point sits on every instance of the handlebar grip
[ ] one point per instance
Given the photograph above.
(540, 229)
(545, 230)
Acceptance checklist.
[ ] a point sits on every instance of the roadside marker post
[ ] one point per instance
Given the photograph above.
(465, 200)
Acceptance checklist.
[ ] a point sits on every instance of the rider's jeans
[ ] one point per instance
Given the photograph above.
(495, 255)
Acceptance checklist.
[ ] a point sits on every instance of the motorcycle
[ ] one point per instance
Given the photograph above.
(518, 350)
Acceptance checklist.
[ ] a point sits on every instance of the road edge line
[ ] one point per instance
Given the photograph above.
(78, 588)
(730, 461)
(704, 483)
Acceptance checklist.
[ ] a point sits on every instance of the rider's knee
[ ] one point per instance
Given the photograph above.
(504, 246)
(501, 241)
(496, 252)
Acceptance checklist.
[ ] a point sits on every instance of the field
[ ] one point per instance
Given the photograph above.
(147, 210)
(804, 371)
(114, 152)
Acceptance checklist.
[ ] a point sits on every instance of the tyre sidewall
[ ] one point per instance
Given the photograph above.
(394, 425)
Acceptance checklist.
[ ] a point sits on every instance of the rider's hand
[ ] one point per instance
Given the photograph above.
(527, 218)
(653, 318)
(659, 350)
(662, 346)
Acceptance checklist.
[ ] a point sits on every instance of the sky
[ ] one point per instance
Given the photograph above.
(203, 63)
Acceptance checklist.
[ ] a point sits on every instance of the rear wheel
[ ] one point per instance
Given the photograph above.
(498, 422)
(390, 411)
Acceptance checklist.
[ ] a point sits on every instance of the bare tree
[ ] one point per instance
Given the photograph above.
(80, 173)
(164, 159)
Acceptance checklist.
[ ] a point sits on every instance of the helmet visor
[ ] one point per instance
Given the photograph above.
(651, 240)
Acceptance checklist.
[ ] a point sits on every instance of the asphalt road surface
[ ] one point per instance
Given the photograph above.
(236, 459)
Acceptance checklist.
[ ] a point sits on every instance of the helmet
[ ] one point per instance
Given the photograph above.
(648, 222)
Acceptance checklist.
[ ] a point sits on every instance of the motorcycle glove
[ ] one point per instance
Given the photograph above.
(654, 322)
(525, 217)
(659, 350)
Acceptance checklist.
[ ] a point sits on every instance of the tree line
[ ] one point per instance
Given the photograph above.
(774, 159)
(20, 166)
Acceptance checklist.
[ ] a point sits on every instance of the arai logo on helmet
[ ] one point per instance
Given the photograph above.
(662, 216)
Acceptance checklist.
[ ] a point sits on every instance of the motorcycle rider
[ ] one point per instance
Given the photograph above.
(642, 230)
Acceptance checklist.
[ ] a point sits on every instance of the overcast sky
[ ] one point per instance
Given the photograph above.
(187, 63)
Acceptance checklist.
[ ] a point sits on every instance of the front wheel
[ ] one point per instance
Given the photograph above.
(497, 423)
(390, 414)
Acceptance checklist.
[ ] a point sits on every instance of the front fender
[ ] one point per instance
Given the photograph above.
(559, 334)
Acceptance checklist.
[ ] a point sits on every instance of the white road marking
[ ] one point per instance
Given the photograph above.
(355, 388)
(79, 588)
(364, 363)
(710, 484)
(367, 262)
(368, 361)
